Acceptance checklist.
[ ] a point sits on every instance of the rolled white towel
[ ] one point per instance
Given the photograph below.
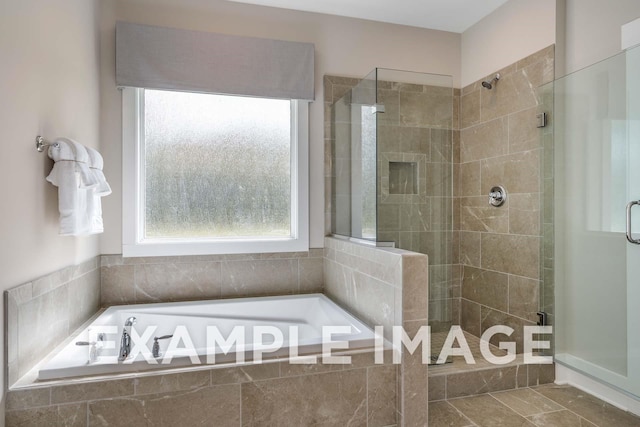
(81, 156)
(96, 164)
(72, 199)
(94, 202)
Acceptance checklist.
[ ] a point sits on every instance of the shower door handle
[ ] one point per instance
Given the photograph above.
(629, 236)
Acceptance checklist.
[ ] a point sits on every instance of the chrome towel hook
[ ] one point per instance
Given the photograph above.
(42, 144)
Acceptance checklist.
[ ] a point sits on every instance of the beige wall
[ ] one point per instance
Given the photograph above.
(49, 86)
(592, 29)
(514, 31)
(344, 46)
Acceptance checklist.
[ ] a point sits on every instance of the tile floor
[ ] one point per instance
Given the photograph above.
(542, 406)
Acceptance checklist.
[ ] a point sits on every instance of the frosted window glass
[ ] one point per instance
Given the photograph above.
(216, 166)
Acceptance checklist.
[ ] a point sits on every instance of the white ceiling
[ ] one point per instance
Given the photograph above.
(446, 15)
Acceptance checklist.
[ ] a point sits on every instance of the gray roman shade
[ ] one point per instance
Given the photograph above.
(165, 58)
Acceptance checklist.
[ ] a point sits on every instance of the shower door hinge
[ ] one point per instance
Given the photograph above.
(542, 318)
(542, 120)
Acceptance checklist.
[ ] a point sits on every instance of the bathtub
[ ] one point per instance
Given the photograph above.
(263, 328)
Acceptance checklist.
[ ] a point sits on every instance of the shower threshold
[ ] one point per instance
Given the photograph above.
(456, 378)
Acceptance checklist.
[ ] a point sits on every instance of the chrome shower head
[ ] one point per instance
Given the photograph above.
(489, 83)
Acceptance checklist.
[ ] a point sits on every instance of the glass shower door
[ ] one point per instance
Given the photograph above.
(597, 173)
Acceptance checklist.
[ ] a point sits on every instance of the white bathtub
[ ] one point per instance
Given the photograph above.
(309, 313)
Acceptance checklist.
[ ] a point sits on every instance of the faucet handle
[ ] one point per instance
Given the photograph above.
(156, 345)
(164, 337)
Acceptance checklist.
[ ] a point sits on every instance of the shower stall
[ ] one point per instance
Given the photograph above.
(596, 258)
(392, 177)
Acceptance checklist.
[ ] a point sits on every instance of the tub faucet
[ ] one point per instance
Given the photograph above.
(125, 341)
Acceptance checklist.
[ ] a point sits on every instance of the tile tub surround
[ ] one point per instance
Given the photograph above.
(500, 248)
(359, 394)
(42, 313)
(386, 287)
(166, 279)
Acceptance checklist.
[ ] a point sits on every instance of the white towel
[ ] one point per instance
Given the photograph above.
(94, 202)
(68, 175)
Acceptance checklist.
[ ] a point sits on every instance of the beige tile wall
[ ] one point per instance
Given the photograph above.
(500, 248)
(359, 394)
(385, 287)
(163, 279)
(42, 313)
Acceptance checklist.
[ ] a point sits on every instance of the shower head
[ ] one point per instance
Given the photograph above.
(489, 83)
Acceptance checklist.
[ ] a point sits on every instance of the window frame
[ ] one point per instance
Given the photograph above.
(133, 198)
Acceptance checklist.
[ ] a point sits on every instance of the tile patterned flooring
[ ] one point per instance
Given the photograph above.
(543, 406)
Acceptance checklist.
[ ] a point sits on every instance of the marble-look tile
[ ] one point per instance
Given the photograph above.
(562, 418)
(74, 415)
(439, 182)
(489, 139)
(172, 382)
(441, 146)
(310, 272)
(469, 109)
(485, 411)
(177, 281)
(415, 287)
(517, 173)
(373, 300)
(30, 398)
(426, 109)
(541, 374)
(288, 369)
(490, 317)
(415, 140)
(518, 255)
(255, 278)
(514, 92)
(195, 407)
(524, 134)
(478, 382)
(117, 285)
(588, 407)
(381, 395)
(245, 373)
(470, 317)
(43, 323)
(437, 387)
(486, 287)
(524, 298)
(469, 179)
(415, 217)
(39, 417)
(470, 248)
(90, 391)
(415, 380)
(526, 402)
(84, 298)
(524, 214)
(443, 414)
(331, 399)
(477, 215)
(389, 217)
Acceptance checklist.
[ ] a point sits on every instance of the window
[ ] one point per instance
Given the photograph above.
(213, 174)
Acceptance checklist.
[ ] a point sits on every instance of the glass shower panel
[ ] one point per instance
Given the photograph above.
(354, 209)
(415, 186)
(597, 151)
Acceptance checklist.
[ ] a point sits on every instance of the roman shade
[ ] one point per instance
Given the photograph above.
(165, 58)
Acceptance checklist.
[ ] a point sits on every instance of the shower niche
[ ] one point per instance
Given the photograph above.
(391, 136)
